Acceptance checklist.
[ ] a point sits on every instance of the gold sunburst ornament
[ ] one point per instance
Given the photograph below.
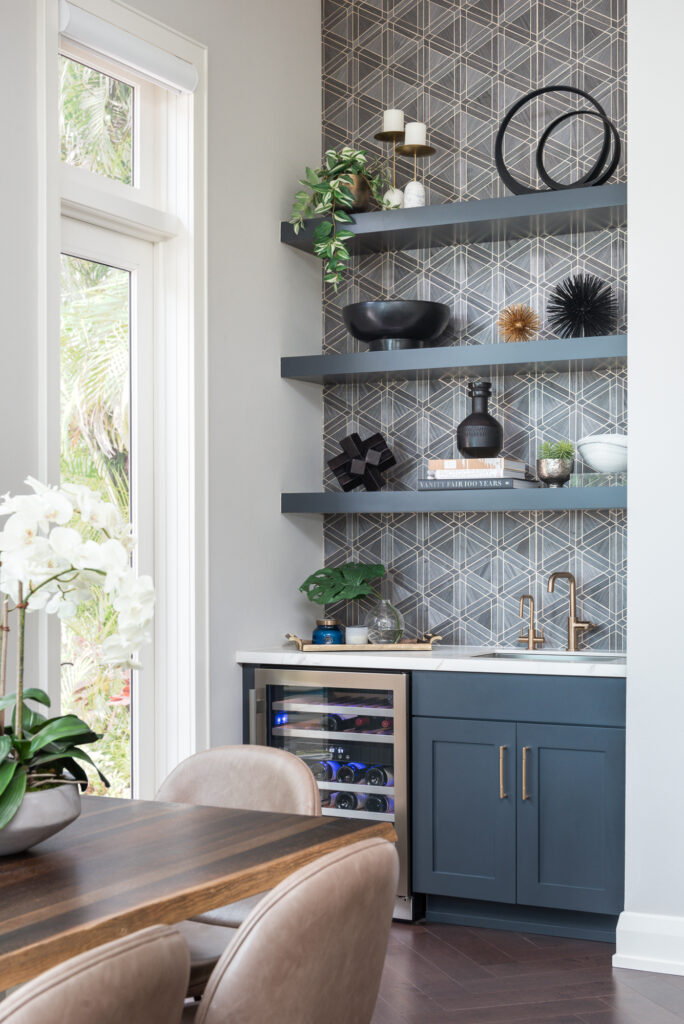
(518, 323)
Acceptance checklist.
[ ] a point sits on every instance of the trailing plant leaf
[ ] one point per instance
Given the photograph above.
(329, 196)
(341, 583)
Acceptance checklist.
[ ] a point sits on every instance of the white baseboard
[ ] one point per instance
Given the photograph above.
(650, 942)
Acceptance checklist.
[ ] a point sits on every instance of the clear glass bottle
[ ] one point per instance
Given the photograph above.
(385, 623)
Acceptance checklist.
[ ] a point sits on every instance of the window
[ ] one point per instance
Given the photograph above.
(96, 121)
(122, 371)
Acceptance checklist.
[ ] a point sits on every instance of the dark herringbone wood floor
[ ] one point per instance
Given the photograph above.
(444, 974)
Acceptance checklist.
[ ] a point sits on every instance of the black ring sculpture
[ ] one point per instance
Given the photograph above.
(597, 175)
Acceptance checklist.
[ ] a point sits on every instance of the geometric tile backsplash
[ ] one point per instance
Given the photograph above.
(460, 66)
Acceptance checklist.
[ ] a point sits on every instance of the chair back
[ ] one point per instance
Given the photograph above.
(313, 949)
(248, 777)
(139, 979)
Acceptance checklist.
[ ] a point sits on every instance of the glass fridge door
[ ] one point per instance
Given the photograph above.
(346, 737)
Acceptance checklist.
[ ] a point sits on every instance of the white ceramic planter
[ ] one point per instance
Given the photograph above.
(414, 194)
(40, 816)
(604, 453)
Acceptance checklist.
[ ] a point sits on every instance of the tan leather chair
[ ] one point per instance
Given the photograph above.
(313, 950)
(140, 979)
(245, 777)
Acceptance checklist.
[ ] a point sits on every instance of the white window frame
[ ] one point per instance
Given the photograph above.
(176, 226)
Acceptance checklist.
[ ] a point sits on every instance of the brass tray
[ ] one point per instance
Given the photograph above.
(404, 645)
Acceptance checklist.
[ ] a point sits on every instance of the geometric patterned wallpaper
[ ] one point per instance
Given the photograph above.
(460, 66)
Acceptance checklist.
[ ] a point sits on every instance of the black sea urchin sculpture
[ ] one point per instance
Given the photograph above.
(582, 306)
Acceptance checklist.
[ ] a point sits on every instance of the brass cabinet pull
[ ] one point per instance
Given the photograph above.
(525, 794)
(502, 792)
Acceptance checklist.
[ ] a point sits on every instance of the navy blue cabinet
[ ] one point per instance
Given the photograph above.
(528, 810)
(464, 808)
(571, 817)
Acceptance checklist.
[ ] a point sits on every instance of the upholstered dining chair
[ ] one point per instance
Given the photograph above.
(139, 979)
(313, 949)
(243, 777)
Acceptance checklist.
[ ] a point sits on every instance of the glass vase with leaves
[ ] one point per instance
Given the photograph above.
(350, 582)
(59, 548)
(328, 194)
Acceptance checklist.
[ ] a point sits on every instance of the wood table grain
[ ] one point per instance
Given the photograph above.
(127, 864)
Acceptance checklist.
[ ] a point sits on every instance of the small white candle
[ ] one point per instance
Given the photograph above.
(415, 134)
(393, 121)
(356, 635)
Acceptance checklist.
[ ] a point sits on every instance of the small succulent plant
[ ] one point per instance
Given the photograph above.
(556, 450)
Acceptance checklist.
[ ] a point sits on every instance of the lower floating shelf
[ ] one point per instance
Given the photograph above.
(533, 499)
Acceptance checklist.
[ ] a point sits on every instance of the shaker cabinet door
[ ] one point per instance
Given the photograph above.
(571, 800)
(464, 785)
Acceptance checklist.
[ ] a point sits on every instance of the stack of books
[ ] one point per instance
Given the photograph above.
(501, 472)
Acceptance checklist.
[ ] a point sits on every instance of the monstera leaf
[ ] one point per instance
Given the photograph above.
(341, 583)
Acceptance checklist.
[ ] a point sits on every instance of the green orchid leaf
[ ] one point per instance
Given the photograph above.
(5, 747)
(31, 720)
(67, 726)
(341, 583)
(76, 752)
(32, 693)
(7, 770)
(10, 800)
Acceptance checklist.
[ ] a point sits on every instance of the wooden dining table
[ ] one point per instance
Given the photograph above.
(127, 864)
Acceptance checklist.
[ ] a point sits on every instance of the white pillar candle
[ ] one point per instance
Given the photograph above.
(393, 121)
(356, 635)
(415, 134)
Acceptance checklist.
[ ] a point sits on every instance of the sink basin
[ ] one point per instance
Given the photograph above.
(555, 656)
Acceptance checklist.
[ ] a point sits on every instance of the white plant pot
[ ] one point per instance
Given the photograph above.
(395, 197)
(40, 816)
(414, 194)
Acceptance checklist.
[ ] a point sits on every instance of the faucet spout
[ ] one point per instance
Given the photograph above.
(575, 626)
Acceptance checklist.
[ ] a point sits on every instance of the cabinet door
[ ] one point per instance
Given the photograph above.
(464, 808)
(571, 817)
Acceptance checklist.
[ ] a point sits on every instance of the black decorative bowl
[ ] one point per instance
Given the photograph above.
(396, 323)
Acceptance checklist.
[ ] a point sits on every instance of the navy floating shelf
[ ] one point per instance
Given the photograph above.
(537, 499)
(566, 356)
(479, 220)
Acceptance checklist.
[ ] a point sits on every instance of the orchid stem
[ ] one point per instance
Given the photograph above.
(19, 722)
(3, 659)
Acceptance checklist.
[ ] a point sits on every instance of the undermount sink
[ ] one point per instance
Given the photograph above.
(568, 656)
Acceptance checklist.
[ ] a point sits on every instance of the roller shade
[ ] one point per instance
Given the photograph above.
(161, 67)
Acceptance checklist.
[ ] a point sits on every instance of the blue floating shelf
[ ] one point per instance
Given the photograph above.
(479, 220)
(538, 499)
(566, 356)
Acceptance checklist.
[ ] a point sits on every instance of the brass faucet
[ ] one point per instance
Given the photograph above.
(574, 624)
(531, 638)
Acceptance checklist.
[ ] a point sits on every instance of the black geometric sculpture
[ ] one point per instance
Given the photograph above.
(597, 175)
(582, 306)
(362, 462)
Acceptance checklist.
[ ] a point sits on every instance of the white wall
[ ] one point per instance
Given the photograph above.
(651, 930)
(263, 127)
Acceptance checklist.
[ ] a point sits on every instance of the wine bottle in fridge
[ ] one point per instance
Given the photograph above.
(378, 804)
(352, 772)
(348, 801)
(324, 771)
(338, 723)
(379, 775)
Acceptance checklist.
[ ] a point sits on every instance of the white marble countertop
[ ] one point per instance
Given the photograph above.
(441, 659)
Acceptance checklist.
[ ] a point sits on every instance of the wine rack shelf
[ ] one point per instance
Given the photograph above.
(322, 734)
(355, 787)
(332, 709)
(332, 812)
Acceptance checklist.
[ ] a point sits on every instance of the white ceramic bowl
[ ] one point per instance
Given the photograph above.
(604, 453)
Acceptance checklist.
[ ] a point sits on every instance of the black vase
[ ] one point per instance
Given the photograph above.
(479, 435)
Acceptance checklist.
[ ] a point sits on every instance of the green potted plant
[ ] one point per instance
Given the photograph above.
(59, 546)
(345, 183)
(555, 462)
(350, 582)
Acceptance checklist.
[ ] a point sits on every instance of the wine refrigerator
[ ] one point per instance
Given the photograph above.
(351, 729)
